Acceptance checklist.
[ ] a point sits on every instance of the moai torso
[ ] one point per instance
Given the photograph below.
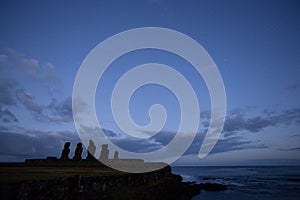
(78, 152)
(91, 151)
(65, 152)
(116, 156)
(104, 153)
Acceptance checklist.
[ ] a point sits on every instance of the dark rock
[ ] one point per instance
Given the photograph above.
(161, 184)
(294, 179)
(191, 188)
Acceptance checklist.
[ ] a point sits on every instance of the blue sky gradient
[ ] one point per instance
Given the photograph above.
(255, 44)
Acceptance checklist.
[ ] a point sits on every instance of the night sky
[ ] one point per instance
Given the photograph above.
(255, 44)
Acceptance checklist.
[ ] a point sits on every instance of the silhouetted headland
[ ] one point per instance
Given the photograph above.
(128, 164)
(87, 178)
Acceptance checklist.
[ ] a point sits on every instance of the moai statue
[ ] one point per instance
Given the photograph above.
(104, 153)
(78, 152)
(65, 152)
(91, 150)
(116, 156)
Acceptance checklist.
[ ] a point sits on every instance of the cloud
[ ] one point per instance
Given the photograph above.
(3, 59)
(54, 112)
(60, 111)
(296, 135)
(35, 143)
(240, 122)
(16, 70)
(30, 68)
(19, 71)
(136, 144)
(228, 144)
(163, 137)
(3, 128)
(160, 140)
(237, 143)
(293, 87)
(290, 149)
(24, 143)
(6, 116)
(237, 121)
(7, 87)
(124, 141)
(28, 100)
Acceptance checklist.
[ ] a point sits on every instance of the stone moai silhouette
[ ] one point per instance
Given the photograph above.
(91, 150)
(78, 152)
(65, 152)
(116, 156)
(104, 153)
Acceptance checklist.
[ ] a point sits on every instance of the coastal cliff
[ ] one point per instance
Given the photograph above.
(161, 184)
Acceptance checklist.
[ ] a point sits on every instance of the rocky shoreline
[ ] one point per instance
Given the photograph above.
(161, 184)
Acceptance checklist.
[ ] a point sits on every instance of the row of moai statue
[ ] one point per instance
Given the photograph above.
(90, 152)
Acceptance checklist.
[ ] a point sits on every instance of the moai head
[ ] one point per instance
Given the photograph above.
(79, 145)
(104, 146)
(91, 143)
(67, 145)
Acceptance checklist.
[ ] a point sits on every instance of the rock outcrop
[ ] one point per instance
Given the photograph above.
(160, 184)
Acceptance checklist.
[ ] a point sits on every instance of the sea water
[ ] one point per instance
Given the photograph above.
(259, 183)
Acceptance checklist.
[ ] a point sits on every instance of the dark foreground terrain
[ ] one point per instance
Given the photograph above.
(20, 181)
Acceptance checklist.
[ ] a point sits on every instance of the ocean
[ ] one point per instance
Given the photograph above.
(259, 183)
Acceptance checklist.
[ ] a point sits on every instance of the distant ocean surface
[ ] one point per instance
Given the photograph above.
(259, 183)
